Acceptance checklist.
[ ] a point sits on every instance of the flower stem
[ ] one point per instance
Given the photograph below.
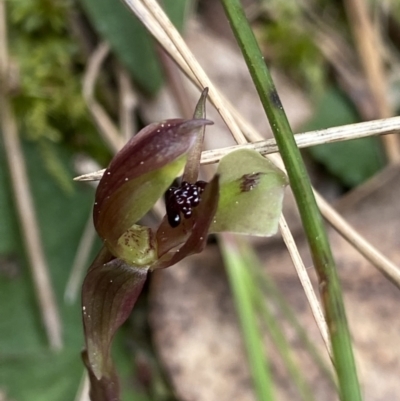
(309, 212)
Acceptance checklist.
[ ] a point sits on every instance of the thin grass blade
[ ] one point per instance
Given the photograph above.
(238, 277)
(331, 293)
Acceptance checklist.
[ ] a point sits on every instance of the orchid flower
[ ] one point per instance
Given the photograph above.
(245, 197)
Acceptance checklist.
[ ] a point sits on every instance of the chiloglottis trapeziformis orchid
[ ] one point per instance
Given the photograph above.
(244, 196)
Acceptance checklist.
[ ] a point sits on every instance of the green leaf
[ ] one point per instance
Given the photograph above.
(130, 40)
(177, 11)
(354, 161)
(137, 177)
(251, 194)
(8, 227)
(28, 370)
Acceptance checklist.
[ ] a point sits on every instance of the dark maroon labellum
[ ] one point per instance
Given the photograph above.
(182, 199)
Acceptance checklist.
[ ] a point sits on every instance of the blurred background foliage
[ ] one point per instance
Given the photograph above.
(50, 42)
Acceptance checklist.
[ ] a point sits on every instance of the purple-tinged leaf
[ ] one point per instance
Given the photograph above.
(109, 293)
(105, 389)
(251, 194)
(139, 174)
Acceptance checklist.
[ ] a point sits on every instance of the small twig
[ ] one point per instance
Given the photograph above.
(106, 127)
(81, 164)
(176, 83)
(114, 139)
(367, 43)
(383, 264)
(127, 104)
(83, 390)
(306, 283)
(149, 12)
(365, 248)
(79, 265)
(24, 202)
(303, 140)
(343, 61)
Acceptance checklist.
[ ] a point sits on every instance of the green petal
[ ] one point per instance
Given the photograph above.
(251, 194)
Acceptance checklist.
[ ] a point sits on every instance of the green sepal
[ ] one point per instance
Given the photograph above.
(251, 194)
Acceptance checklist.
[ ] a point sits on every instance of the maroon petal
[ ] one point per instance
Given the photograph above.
(105, 389)
(109, 293)
(140, 173)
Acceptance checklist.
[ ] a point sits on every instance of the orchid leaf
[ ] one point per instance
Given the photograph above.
(251, 194)
(109, 293)
(139, 175)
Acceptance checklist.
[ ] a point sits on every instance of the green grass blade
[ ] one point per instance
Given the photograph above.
(271, 290)
(239, 281)
(262, 288)
(281, 342)
(311, 217)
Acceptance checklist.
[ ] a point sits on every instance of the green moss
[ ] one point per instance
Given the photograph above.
(294, 50)
(48, 102)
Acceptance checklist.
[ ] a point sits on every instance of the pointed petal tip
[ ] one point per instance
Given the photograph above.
(195, 123)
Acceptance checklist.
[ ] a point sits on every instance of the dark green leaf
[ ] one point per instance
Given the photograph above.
(351, 161)
(8, 227)
(129, 39)
(251, 194)
(28, 370)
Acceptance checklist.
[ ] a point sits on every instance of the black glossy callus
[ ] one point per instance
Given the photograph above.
(181, 200)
